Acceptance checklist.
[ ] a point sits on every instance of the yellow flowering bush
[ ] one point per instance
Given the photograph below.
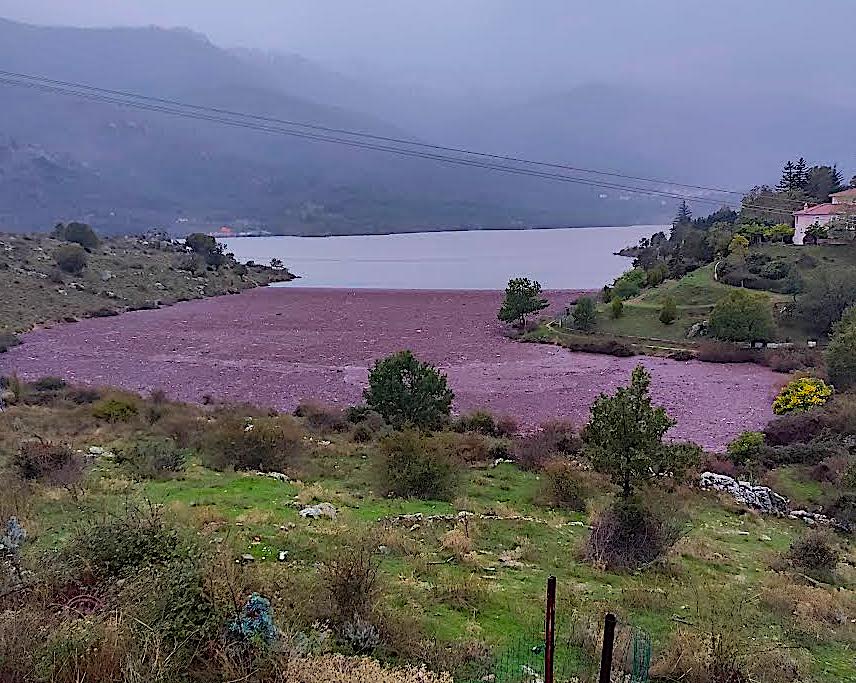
(802, 394)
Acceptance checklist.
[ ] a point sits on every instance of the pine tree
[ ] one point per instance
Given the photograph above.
(788, 178)
(838, 179)
(800, 174)
(684, 215)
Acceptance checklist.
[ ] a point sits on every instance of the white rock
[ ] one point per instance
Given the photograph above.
(318, 511)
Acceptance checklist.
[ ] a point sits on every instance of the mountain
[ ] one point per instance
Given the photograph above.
(126, 169)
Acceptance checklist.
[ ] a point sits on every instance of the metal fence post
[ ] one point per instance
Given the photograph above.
(550, 630)
(606, 652)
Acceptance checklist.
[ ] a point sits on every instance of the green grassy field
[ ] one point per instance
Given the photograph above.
(488, 585)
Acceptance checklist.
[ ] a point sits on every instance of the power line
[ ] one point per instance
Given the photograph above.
(360, 134)
(235, 120)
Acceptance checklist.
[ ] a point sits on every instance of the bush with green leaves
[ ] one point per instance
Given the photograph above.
(153, 458)
(743, 316)
(624, 436)
(116, 409)
(71, 258)
(522, 298)
(408, 392)
(585, 314)
(669, 311)
(479, 421)
(268, 444)
(616, 308)
(816, 553)
(841, 359)
(827, 294)
(413, 465)
(564, 486)
(119, 545)
(629, 284)
(207, 248)
(746, 448)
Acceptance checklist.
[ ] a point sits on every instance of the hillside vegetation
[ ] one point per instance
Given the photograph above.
(119, 274)
(142, 511)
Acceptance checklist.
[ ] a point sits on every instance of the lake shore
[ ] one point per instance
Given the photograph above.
(279, 346)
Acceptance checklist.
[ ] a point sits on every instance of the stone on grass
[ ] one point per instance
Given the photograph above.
(318, 511)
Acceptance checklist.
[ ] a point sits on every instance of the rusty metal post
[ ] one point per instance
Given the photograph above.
(550, 630)
(606, 652)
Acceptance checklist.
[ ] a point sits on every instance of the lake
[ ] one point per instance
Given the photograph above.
(568, 258)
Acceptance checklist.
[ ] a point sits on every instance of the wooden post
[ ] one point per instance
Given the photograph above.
(550, 630)
(606, 652)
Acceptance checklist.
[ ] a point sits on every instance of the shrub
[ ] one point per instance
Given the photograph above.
(841, 359)
(322, 419)
(47, 462)
(506, 426)
(79, 233)
(630, 534)
(720, 352)
(119, 545)
(748, 447)
(816, 554)
(408, 392)
(616, 308)
(412, 465)
(743, 316)
(115, 409)
(268, 444)
(8, 340)
(71, 258)
(801, 394)
(479, 421)
(843, 507)
(351, 579)
(789, 360)
(828, 294)
(629, 284)
(555, 438)
(609, 347)
(563, 486)
(153, 458)
(585, 314)
(49, 384)
(809, 452)
(669, 311)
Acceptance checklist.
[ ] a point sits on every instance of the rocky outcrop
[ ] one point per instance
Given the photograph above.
(761, 498)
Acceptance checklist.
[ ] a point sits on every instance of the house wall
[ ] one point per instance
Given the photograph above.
(802, 224)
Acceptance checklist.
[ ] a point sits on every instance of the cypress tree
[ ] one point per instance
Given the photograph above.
(788, 178)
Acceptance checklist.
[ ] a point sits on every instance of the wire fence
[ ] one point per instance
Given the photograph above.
(577, 655)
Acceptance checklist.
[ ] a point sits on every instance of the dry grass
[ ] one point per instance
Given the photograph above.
(340, 669)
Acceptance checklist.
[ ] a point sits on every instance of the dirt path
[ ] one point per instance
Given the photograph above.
(277, 346)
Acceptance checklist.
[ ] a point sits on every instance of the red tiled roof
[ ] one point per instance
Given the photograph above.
(819, 210)
(846, 193)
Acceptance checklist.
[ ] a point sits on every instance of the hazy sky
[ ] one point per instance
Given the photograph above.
(497, 43)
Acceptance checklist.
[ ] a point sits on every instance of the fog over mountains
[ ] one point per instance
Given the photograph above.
(724, 118)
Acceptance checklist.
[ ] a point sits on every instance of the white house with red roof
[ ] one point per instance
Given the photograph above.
(841, 204)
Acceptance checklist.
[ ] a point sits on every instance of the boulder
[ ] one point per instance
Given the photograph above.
(318, 511)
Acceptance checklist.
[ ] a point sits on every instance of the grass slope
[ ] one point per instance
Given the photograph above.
(123, 273)
(492, 592)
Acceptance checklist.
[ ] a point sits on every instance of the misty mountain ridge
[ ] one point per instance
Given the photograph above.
(125, 169)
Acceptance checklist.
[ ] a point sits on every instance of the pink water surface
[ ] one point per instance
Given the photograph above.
(278, 346)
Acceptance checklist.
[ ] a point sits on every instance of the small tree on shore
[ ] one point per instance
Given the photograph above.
(408, 392)
(522, 297)
(841, 359)
(669, 312)
(624, 436)
(585, 314)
